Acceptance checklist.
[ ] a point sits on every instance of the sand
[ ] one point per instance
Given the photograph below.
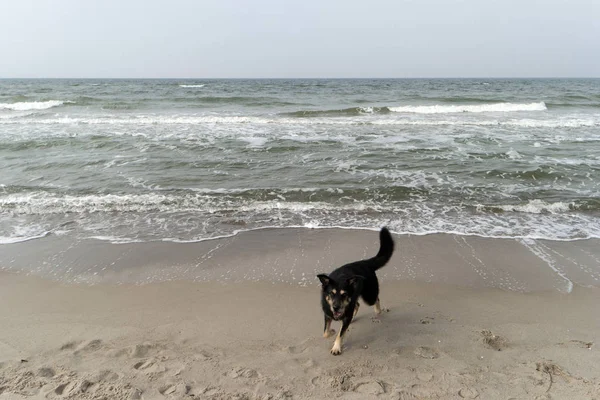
(261, 337)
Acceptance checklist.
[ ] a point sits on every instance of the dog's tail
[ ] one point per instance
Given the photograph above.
(385, 250)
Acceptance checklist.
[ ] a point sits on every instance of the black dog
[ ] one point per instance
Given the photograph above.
(341, 289)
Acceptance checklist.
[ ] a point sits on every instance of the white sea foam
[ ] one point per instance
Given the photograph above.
(31, 105)
(19, 239)
(256, 120)
(537, 206)
(479, 108)
(23, 233)
(191, 86)
(544, 253)
(255, 142)
(513, 154)
(115, 239)
(537, 219)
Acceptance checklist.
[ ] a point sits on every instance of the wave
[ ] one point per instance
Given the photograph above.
(195, 216)
(192, 86)
(44, 202)
(485, 106)
(574, 105)
(463, 99)
(353, 111)
(447, 109)
(33, 105)
(19, 239)
(535, 206)
(239, 119)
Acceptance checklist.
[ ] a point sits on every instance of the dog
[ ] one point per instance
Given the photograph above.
(342, 288)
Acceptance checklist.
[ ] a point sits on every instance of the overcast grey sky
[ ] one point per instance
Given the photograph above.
(308, 38)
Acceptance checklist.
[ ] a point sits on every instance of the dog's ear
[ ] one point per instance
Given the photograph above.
(356, 281)
(325, 280)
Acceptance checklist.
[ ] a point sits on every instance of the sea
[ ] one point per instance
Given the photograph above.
(187, 160)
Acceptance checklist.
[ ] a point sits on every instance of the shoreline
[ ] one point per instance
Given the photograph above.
(297, 255)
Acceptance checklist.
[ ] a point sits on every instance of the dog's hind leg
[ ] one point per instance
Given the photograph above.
(328, 331)
(336, 350)
(377, 307)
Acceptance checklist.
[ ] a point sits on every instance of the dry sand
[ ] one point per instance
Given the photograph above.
(262, 338)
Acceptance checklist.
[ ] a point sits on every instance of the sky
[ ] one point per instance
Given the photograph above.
(299, 39)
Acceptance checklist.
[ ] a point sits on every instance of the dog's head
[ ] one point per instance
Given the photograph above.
(339, 295)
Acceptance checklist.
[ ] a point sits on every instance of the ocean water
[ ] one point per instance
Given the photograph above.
(187, 160)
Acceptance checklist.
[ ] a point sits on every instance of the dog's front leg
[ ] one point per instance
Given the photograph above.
(328, 331)
(336, 350)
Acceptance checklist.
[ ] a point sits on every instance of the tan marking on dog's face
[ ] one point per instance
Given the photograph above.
(338, 301)
(329, 301)
(337, 298)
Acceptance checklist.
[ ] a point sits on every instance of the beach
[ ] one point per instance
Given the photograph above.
(239, 318)
(160, 238)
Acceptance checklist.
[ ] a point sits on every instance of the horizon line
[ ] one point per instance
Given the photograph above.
(315, 78)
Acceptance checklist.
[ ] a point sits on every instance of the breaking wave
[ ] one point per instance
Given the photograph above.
(422, 109)
(448, 109)
(353, 111)
(32, 105)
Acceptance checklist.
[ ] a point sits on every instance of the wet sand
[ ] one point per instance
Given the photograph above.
(297, 255)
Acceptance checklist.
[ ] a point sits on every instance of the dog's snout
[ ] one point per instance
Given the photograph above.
(336, 308)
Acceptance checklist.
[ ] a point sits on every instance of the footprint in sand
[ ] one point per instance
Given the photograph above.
(203, 356)
(308, 363)
(140, 350)
(424, 376)
(149, 366)
(175, 389)
(295, 349)
(494, 342)
(468, 393)
(24, 383)
(240, 372)
(427, 320)
(404, 395)
(106, 376)
(46, 372)
(73, 389)
(88, 347)
(338, 380)
(69, 345)
(373, 388)
(427, 352)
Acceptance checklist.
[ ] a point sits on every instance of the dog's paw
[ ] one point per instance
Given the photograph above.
(335, 351)
(329, 333)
